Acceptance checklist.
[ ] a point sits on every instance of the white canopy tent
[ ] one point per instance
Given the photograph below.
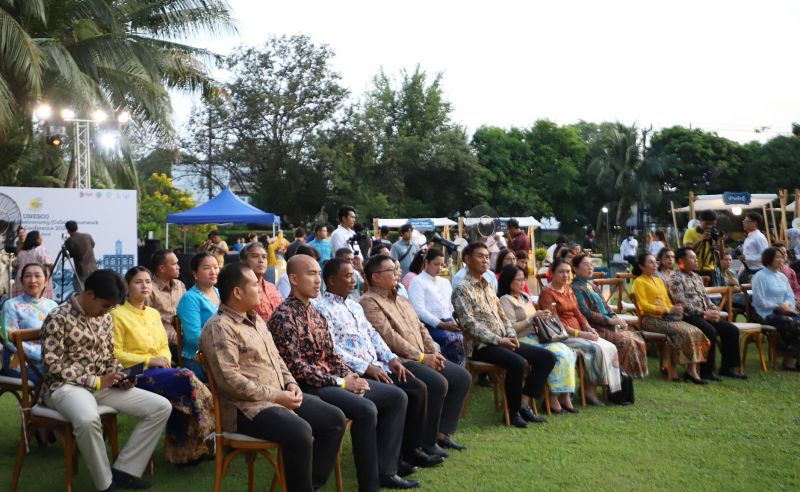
(715, 202)
(523, 221)
(398, 223)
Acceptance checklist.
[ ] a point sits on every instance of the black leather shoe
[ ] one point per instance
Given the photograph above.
(111, 488)
(435, 450)
(527, 414)
(711, 377)
(397, 482)
(687, 377)
(595, 402)
(405, 469)
(449, 443)
(570, 410)
(518, 422)
(127, 481)
(423, 460)
(732, 373)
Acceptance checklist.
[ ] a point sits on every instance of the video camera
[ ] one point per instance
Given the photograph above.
(356, 239)
(450, 246)
(715, 234)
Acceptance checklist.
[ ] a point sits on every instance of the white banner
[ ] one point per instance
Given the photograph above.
(108, 215)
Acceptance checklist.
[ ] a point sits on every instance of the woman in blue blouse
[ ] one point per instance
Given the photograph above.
(197, 306)
(25, 311)
(774, 302)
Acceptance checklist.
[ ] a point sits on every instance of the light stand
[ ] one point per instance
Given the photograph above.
(62, 258)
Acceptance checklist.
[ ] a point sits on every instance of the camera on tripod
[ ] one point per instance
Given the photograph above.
(714, 234)
(450, 246)
(355, 239)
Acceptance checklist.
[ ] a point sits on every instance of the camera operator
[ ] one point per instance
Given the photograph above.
(216, 246)
(707, 242)
(754, 244)
(405, 248)
(80, 247)
(341, 237)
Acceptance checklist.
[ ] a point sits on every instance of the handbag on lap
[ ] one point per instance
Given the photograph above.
(550, 330)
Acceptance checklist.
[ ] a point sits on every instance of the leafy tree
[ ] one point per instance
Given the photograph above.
(281, 94)
(159, 197)
(774, 165)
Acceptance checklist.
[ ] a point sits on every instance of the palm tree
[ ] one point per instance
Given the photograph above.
(618, 168)
(112, 54)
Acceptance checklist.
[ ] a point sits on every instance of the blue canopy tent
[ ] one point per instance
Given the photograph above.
(225, 208)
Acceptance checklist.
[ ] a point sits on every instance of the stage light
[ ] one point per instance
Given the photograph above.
(108, 140)
(55, 140)
(67, 114)
(605, 210)
(99, 116)
(124, 117)
(43, 111)
(737, 210)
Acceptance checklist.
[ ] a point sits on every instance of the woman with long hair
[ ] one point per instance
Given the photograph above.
(599, 356)
(140, 338)
(658, 314)
(521, 311)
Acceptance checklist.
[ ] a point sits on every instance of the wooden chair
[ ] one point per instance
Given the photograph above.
(176, 323)
(625, 306)
(748, 332)
(11, 384)
(660, 340)
(769, 331)
(240, 444)
(497, 375)
(38, 415)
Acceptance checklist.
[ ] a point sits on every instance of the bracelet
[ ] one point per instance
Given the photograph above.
(421, 357)
(344, 383)
(99, 384)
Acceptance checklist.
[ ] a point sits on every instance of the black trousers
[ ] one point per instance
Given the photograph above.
(446, 392)
(376, 430)
(729, 343)
(416, 413)
(309, 437)
(514, 362)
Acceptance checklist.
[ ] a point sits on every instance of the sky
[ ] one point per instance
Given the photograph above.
(729, 67)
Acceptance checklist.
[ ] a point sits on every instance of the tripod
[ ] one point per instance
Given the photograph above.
(62, 258)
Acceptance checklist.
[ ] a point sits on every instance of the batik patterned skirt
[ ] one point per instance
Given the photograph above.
(562, 378)
(192, 418)
(631, 349)
(600, 361)
(689, 345)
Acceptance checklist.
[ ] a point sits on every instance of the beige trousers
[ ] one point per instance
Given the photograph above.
(79, 406)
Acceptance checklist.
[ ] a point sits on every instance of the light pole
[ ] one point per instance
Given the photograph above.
(83, 164)
(608, 241)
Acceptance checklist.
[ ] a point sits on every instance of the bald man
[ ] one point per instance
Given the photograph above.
(303, 340)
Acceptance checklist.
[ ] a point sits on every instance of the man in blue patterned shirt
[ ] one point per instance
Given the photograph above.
(363, 350)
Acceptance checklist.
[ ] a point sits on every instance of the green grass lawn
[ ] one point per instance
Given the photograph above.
(734, 435)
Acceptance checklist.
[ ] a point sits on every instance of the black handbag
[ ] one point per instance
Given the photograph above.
(550, 330)
(624, 396)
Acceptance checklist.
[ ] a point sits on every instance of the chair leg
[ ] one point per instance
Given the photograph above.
(506, 415)
(250, 458)
(218, 460)
(760, 347)
(113, 438)
(21, 451)
(497, 402)
(69, 457)
(745, 341)
(547, 399)
(582, 381)
(465, 408)
(282, 471)
(338, 470)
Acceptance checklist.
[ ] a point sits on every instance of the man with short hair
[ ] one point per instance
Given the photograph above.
(81, 373)
(80, 247)
(686, 288)
(167, 292)
(255, 256)
(363, 350)
(393, 316)
(322, 244)
(560, 241)
(355, 261)
(383, 237)
(258, 395)
(216, 246)
(754, 244)
(405, 249)
(589, 240)
(491, 338)
(342, 235)
(629, 247)
(518, 240)
(377, 409)
(299, 240)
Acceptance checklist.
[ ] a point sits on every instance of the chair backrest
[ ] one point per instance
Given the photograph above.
(17, 337)
(632, 297)
(616, 285)
(727, 299)
(212, 387)
(176, 323)
(706, 280)
(598, 275)
(749, 312)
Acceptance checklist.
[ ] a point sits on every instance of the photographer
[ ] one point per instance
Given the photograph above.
(754, 244)
(80, 247)
(707, 242)
(216, 246)
(342, 235)
(405, 248)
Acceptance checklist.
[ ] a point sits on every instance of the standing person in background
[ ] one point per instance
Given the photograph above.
(589, 241)
(216, 246)
(658, 243)
(166, 293)
(405, 249)
(322, 244)
(793, 236)
(21, 235)
(754, 244)
(551, 251)
(517, 239)
(276, 248)
(342, 235)
(80, 247)
(384, 237)
(708, 244)
(629, 247)
(299, 240)
(239, 244)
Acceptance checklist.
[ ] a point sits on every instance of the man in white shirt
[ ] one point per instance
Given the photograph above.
(793, 235)
(629, 246)
(754, 244)
(551, 251)
(342, 234)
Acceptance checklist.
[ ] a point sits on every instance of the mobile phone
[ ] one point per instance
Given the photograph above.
(131, 373)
